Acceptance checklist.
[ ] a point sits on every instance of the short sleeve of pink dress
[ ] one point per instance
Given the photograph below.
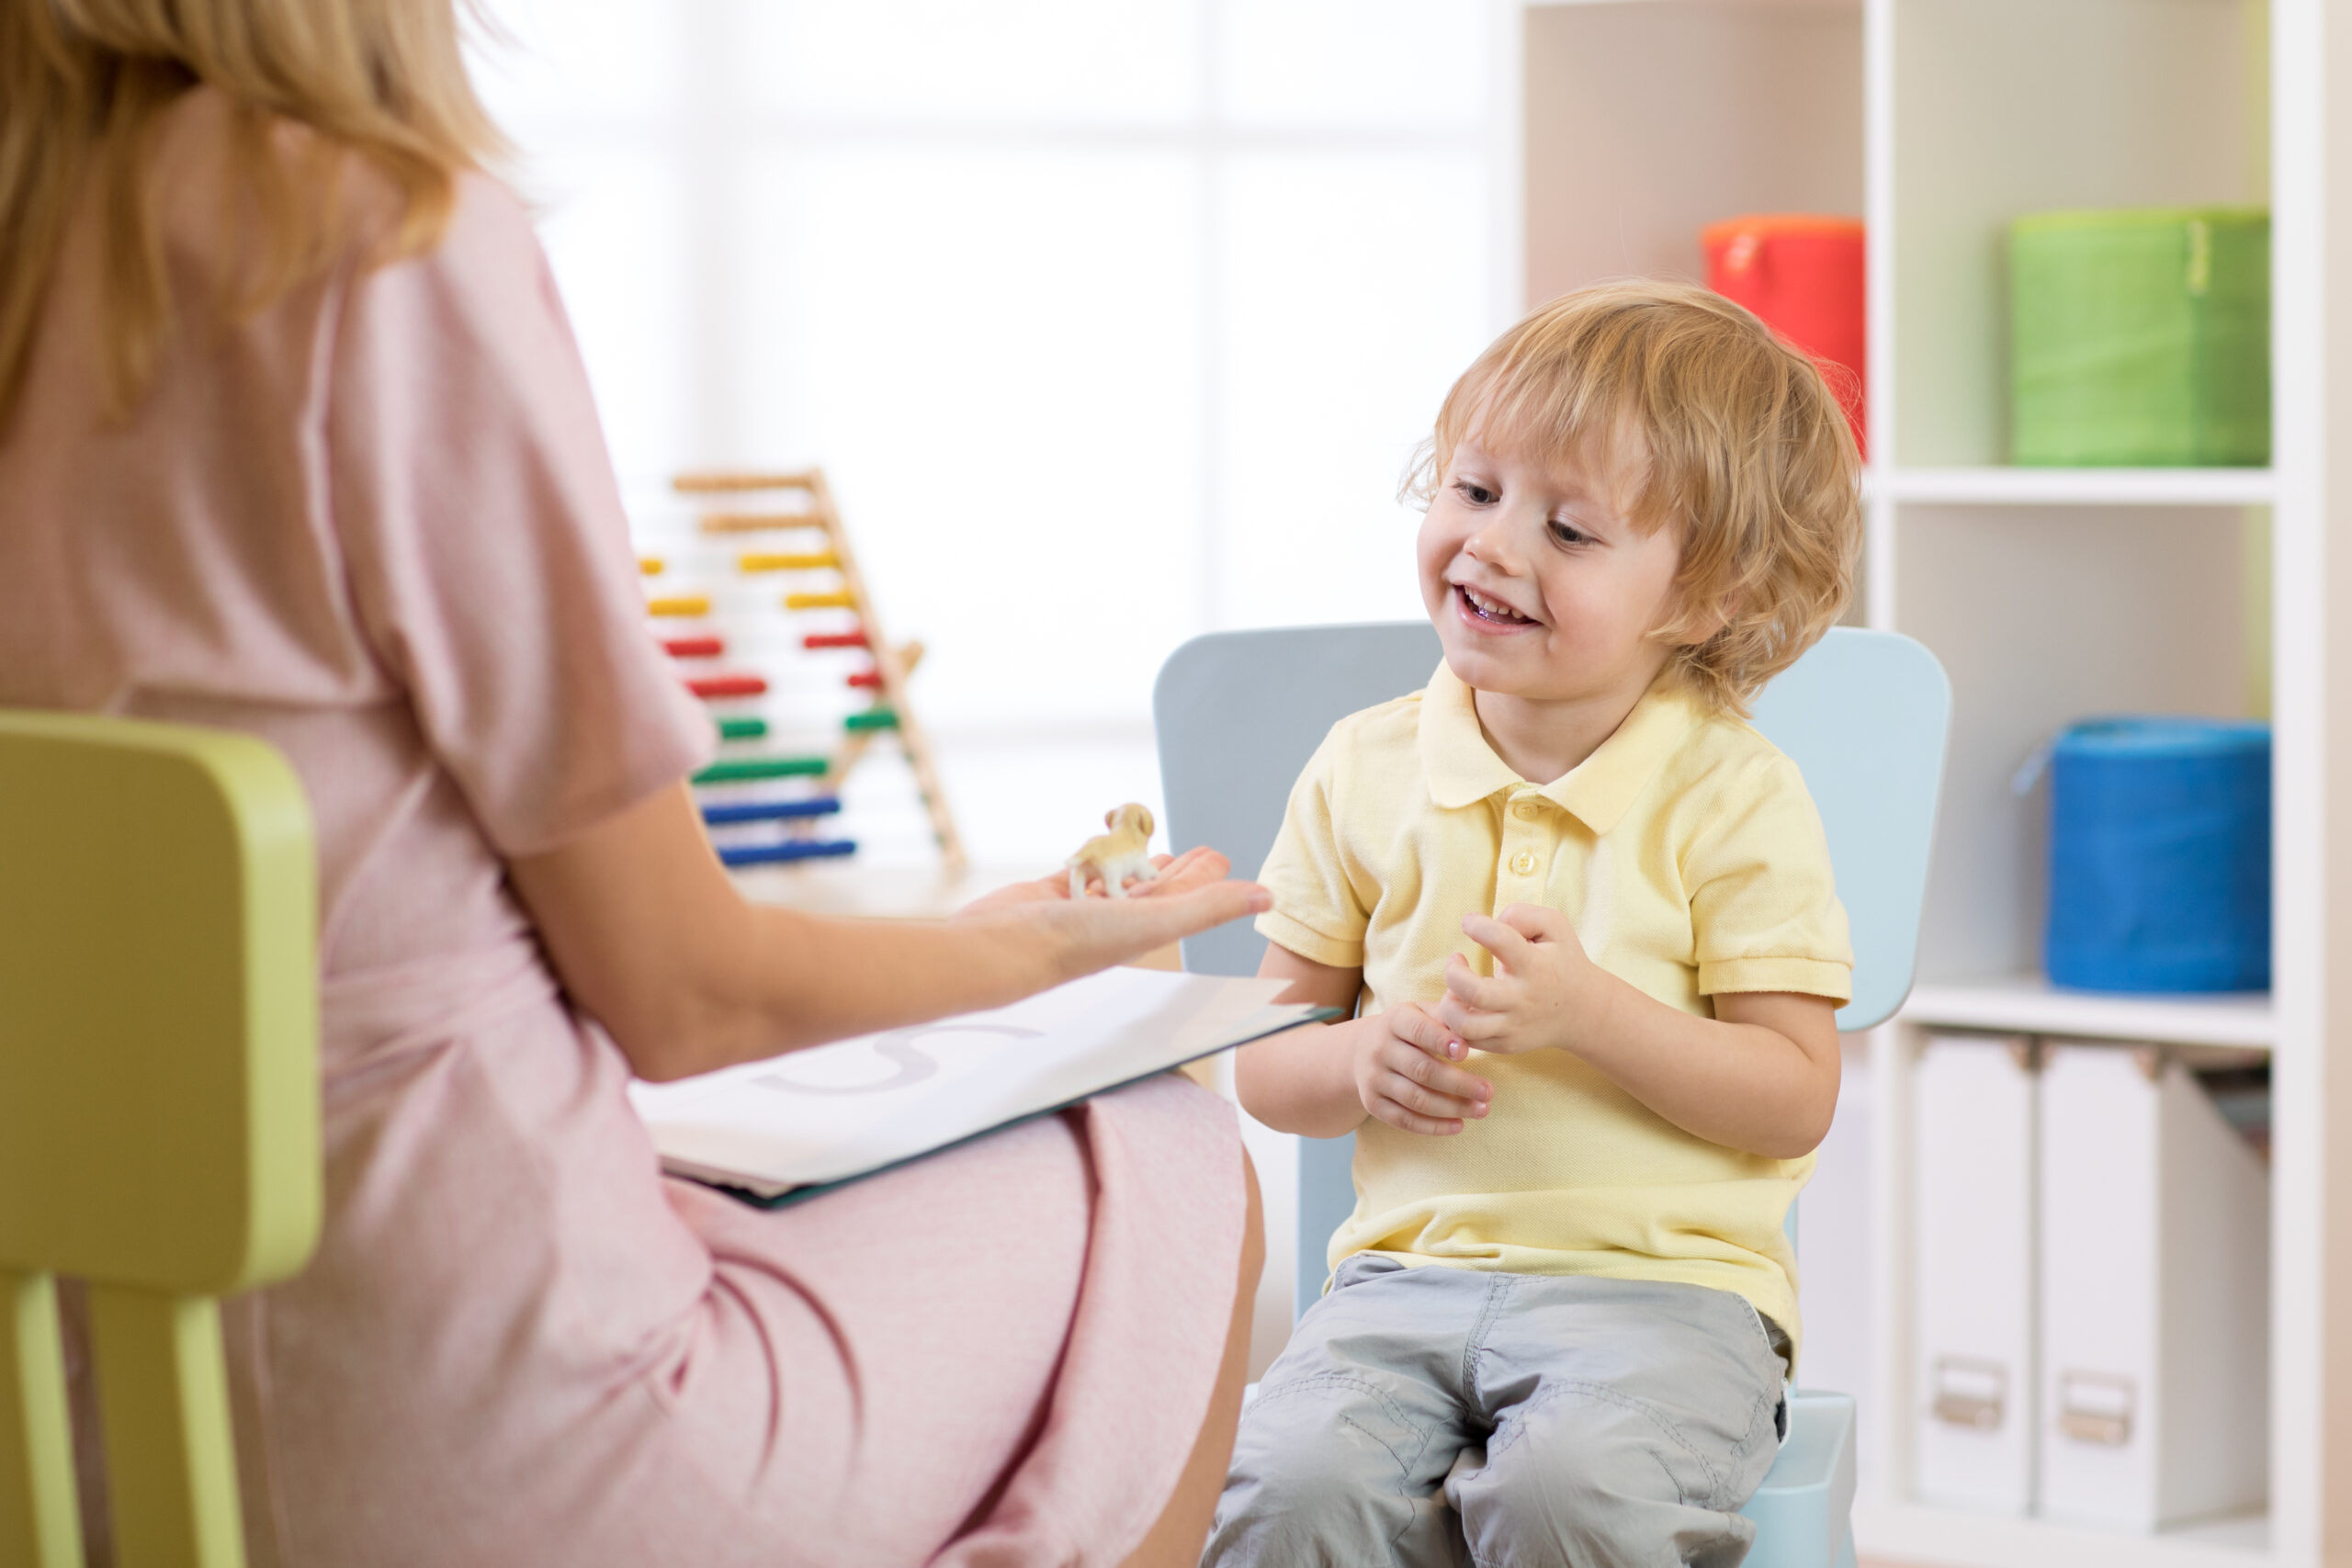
(376, 525)
(485, 548)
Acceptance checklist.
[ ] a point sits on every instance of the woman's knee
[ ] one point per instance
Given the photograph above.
(1254, 1232)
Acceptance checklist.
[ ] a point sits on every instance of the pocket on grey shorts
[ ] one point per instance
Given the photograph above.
(1358, 1267)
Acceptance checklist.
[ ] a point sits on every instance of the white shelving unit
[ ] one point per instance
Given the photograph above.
(2076, 487)
(2048, 594)
(2029, 1004)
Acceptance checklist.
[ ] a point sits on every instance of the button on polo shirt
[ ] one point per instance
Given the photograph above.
(1688, 855)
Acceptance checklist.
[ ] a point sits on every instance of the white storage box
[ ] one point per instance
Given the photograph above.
(1974, 1105)
(2154, 1272)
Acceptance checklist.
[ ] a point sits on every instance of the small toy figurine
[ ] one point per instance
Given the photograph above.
(1118, 856)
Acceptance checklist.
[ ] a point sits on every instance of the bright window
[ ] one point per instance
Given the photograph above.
(1111, 323)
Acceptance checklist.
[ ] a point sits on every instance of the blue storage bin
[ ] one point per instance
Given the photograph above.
(2160, 856)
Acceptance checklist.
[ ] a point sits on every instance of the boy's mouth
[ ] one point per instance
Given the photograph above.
(1485, 610)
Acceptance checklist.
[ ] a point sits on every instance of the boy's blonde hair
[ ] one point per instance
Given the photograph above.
(1720, 428)
(81, 84)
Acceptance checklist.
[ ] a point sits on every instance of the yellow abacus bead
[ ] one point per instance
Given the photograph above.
(809, 561)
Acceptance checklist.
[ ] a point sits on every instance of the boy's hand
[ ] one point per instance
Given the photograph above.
(1541, 990)
(1404, 1075)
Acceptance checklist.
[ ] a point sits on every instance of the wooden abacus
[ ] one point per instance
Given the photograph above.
(889, 711)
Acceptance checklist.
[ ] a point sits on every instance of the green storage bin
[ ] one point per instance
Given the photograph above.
(2140, 337)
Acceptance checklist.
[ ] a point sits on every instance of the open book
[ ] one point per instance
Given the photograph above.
(788, 1127)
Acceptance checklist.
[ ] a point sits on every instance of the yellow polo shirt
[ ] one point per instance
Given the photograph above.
(1691, 860)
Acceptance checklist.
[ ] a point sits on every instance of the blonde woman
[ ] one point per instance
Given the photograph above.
(293, 439)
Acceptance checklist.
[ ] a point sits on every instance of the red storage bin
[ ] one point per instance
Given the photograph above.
(1802, 274)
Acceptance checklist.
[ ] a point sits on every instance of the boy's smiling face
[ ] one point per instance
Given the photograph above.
(1541, 589)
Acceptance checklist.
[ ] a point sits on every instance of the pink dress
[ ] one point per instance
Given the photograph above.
(376, 525)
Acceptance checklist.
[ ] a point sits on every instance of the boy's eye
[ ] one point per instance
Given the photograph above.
(1474, 493)
(1569, 533)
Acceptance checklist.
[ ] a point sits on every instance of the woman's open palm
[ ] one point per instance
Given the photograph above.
(1191, 894)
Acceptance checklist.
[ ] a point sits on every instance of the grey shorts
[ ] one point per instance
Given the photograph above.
(1433, 1416)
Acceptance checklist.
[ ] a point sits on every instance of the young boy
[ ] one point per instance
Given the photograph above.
(1590, 918)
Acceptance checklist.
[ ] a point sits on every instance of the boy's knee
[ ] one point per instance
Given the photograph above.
(1296, 1498)
(1307, 1506)
(1253, 1226)
(1595, 1479)
(1278, 1470)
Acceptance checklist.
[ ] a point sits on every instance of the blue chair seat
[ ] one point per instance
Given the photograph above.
(1803, 1509)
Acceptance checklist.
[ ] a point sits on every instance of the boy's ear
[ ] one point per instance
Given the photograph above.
(1703, 631)
(1686, 626)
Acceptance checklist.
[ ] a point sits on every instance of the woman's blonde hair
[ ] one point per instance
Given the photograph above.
(81, 85)
(1720, 427)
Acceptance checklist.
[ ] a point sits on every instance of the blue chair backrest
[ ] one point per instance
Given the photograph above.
(1864, 714)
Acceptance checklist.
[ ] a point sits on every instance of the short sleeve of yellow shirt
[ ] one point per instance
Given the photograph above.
(1317, 913)
(1688, 854)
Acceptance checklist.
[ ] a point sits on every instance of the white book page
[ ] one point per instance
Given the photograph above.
(838, 1111)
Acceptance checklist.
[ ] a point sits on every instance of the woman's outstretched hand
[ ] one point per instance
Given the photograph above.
(652, 940)
(1191, 894)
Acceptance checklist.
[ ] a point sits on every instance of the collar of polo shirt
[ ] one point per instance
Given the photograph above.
(1462, 770)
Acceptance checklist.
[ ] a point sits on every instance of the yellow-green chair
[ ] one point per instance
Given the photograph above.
(159, 1108)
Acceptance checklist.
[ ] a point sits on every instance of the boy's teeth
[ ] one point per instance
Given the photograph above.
(1489, 607)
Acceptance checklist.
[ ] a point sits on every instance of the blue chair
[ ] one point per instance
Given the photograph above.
(1865, 715)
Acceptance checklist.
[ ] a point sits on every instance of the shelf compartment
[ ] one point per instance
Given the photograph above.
(1915, 1533)
(2112, 103)
(1648, 120)
(2029, 1004)
(2076, 487)
(2044, 616)
(1848, 6)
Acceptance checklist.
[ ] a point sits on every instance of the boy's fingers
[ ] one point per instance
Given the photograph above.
(1538, 922)
(1413, 1025)
(1440, 1078)
(1472, 989)
(1410, 1121)
(1470, 1023)
(1506, 943)
(1426, 1101)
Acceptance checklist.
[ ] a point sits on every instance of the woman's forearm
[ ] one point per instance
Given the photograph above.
(652, 940)
(809, 979)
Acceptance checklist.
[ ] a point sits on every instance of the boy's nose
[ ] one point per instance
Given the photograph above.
(1493, 545)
